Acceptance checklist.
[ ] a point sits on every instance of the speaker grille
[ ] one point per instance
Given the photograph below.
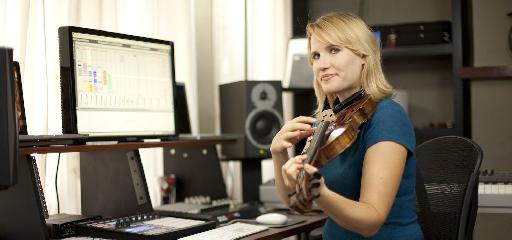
(261, 127)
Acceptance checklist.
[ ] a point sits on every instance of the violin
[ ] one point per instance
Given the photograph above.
(337, 129)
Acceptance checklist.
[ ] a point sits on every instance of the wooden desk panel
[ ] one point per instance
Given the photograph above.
(312, 221)
(120, 146)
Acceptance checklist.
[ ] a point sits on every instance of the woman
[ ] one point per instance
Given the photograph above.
(369, 189)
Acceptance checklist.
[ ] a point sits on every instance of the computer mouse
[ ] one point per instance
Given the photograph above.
(272, 219)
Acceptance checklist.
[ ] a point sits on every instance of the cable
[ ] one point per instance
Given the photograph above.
(56, 187)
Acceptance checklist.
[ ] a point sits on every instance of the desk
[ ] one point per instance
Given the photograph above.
(121, 146)
(312, 221)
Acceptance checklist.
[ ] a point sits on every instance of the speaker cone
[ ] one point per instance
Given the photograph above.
(261, 127)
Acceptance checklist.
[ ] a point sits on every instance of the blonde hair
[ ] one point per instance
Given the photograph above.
(349, 31)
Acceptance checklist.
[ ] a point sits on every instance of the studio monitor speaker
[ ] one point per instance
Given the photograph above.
(8, 121)
(252, 110)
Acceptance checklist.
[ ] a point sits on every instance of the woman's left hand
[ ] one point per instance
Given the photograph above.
(317, 183)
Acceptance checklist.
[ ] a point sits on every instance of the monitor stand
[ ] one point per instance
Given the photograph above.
(22, 215)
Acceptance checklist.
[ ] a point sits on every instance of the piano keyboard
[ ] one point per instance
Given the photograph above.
(495, 191)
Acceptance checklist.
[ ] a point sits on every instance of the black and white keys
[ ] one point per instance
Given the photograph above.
(495, 191)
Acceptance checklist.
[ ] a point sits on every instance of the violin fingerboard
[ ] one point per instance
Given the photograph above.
(306, 146)
(317, 139)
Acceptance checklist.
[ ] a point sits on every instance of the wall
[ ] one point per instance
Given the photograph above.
(387, 11)
(204, 55)
(491, 114)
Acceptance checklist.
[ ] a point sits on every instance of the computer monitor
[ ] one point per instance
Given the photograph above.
(8, 122)
(298, 73)
(19, 102)
(115, 84)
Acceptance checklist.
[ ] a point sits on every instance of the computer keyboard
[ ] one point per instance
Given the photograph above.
(230, 232)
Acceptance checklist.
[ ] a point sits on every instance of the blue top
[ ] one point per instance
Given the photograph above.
(343, 174)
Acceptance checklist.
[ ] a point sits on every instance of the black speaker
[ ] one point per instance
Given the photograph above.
(253, 110)
(8, 121)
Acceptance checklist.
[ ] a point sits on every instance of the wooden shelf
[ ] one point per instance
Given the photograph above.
(490, 72)
(121, 146)
(417, 51)
(300, 90)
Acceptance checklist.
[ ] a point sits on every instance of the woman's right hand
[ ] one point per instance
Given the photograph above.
(292, 132)
(291, 168)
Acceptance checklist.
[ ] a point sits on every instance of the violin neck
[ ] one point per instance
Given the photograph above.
(316, 141)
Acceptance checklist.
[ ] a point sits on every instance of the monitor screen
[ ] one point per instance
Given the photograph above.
(8, 122)
(116, 84)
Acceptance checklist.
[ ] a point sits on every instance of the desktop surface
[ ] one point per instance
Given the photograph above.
(121, 146)
(308, 223)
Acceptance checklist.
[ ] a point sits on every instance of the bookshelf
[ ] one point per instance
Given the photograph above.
(488, 72)
(419, 51)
